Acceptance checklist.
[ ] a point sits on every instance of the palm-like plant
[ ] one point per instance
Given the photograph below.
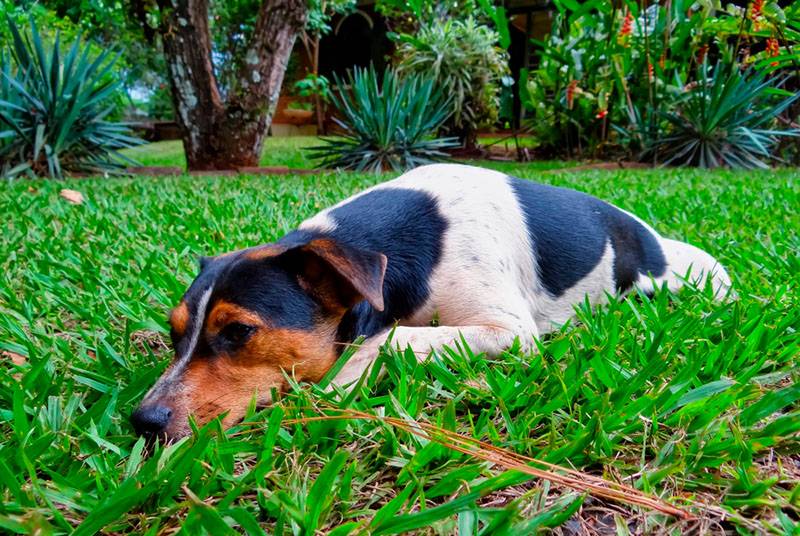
(53, 110)
(724, 120)
(386, 124)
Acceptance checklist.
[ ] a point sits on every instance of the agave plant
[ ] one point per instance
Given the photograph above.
(724, 120)
(386, 124)
(53, 110)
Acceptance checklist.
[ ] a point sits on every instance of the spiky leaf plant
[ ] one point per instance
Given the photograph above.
(724, 120)
(54, 109)
(386, 123)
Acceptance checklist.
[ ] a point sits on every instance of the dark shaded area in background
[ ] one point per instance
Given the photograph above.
(357, 40)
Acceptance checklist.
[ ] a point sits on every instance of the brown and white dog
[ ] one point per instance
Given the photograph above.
(494, 258)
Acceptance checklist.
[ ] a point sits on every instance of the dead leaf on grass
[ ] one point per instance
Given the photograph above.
(72, 196)
(145, 338)
(15, 358)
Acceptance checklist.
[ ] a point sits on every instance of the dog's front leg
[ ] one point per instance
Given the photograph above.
(422, 340)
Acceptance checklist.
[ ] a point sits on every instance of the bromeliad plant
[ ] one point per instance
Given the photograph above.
(53, 110)
(723, 120)
(389, 123)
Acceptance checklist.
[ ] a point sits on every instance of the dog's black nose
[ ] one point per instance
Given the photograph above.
(150, 420)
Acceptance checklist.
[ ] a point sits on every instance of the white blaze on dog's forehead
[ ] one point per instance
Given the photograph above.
(195, 327)
(197, 324)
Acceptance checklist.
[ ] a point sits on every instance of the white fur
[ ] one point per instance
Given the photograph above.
(178, 367)
(688, 264)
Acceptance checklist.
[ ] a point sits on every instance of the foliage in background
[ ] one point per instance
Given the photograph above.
(409, 15)
(231, 25)
(724, 119)
(387, 122)
(465, 60)
(605, 65)
(318, 19)
(54, 109)
(104, 24)
(683, 397)
(159, 103)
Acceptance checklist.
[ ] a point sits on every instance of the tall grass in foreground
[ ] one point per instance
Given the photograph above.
(692, 402)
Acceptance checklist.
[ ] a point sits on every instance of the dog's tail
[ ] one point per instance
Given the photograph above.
(689, 264)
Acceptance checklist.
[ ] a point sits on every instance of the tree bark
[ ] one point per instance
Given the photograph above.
(217, 133)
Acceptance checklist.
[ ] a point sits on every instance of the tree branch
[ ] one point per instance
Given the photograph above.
(261, 73)
(187, 47)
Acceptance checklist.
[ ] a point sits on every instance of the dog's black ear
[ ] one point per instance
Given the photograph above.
(339, 275)
(204, 261)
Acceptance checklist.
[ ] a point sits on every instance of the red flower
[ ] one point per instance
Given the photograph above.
(773, 49)
(650, 71)
(755, 13)
(601, 114)
(701, 53)
(573, 85)
(755, 9)
(626, 29)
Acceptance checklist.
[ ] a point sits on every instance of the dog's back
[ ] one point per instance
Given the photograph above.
(466, 242)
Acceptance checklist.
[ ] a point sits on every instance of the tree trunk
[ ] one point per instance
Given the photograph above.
(226, 134)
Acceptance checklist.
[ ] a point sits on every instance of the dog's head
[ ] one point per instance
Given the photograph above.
(250, 318)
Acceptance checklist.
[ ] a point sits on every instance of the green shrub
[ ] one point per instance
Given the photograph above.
(386, 124)
(159, 103)
(54, 108)
(597, 62)
(723, 120)
(465, 60)
(608, 65)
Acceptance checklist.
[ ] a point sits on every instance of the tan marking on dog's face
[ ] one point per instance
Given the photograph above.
(228, 382)
(264, 252)
(225, 313)
(179, 318)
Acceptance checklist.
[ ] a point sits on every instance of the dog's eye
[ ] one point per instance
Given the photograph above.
(236, 332)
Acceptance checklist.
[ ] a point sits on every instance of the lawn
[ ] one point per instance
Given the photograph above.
(289, 152)
(693, 401)
(277, 152)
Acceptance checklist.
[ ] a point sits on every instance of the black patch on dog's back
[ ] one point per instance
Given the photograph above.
(407, 227)
(569, 231)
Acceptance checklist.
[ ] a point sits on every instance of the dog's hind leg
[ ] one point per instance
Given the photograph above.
(487, 339)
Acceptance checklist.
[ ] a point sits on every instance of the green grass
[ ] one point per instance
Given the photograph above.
(287, 151)
(691, 400)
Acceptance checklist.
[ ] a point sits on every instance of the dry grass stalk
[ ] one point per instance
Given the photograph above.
(570, 478)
